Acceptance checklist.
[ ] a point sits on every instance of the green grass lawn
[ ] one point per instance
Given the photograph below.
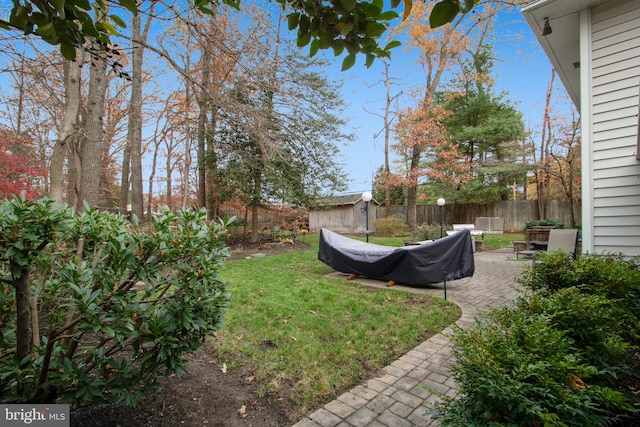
(497, 241)
(307, 337)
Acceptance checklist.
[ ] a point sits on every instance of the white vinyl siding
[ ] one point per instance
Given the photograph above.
(614, 86)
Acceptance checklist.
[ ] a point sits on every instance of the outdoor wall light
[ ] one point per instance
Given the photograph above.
(547, 28)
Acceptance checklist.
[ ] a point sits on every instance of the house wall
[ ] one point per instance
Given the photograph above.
(615, 87)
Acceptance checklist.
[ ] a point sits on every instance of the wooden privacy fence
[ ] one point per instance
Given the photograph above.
(516, 213)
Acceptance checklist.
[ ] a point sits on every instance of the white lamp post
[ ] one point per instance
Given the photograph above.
(441, 203)
(366, 198)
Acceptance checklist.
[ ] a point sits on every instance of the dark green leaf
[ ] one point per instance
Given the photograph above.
(344, 28)
(324, 40)
(348, 5)
(372, 11)
(19, 17)
(375, 29)
(468, 5)
(315, 46)
(369, 60)
(388, 15)
(206, 10)
(316, 25)
(352, 46)
(130, 5)
(304, 39)
(118, 21)
(82, 4)
(68, 50)
(46, 31)
(59, 5)
(292, 20)
(443, 12)
(391, 45)
(338, 47)
(303, 27)
(348, 62)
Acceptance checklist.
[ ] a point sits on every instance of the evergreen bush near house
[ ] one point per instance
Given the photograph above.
(516, 368)
(556, 356)
(93, 309)
(612, 276)
(391, 227)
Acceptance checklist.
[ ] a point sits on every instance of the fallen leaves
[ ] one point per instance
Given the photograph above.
(243, 411)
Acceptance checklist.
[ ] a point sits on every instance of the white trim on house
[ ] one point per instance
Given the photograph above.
(585, 109)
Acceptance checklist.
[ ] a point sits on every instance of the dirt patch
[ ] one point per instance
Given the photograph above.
(243, 248)
(205, 395)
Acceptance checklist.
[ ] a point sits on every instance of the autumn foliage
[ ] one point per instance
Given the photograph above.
(18, 171)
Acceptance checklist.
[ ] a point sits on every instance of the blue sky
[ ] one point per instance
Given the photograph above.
(521, 69)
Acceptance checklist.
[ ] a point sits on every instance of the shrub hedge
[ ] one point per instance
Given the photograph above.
(556, 357)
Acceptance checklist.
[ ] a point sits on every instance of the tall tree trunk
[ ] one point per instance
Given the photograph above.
(186, 166)
(125, 183)
(108, 198)
(91, 148)
(412, 187)
(542, 172)
(170, 180)
(135, 118)
(255, 209)
(152, 177)
(213, 196)
(67, 129)
(203, 108)
(387, 130)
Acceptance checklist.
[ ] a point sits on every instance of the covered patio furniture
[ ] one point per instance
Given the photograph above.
(448, 258)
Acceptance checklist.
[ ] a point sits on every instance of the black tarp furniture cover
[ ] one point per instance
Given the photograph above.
(417, 265)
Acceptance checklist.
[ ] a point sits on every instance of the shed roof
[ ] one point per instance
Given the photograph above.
(344, 200)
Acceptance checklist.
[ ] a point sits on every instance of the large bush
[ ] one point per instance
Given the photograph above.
(391, 227)
(94, 309)
(613, 276)
(521, 367)
(562, 356)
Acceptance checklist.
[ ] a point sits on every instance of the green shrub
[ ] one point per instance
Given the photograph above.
(519, 367)
(613, 276)
(391, 227)
(104, 307)
(592, 322)
(543, 223)
(428, 232)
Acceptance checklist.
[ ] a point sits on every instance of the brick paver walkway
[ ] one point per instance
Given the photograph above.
(400, 397)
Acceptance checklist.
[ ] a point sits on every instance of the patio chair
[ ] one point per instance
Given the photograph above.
(565, 240)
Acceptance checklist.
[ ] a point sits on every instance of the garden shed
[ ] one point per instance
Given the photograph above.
(342, 214)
